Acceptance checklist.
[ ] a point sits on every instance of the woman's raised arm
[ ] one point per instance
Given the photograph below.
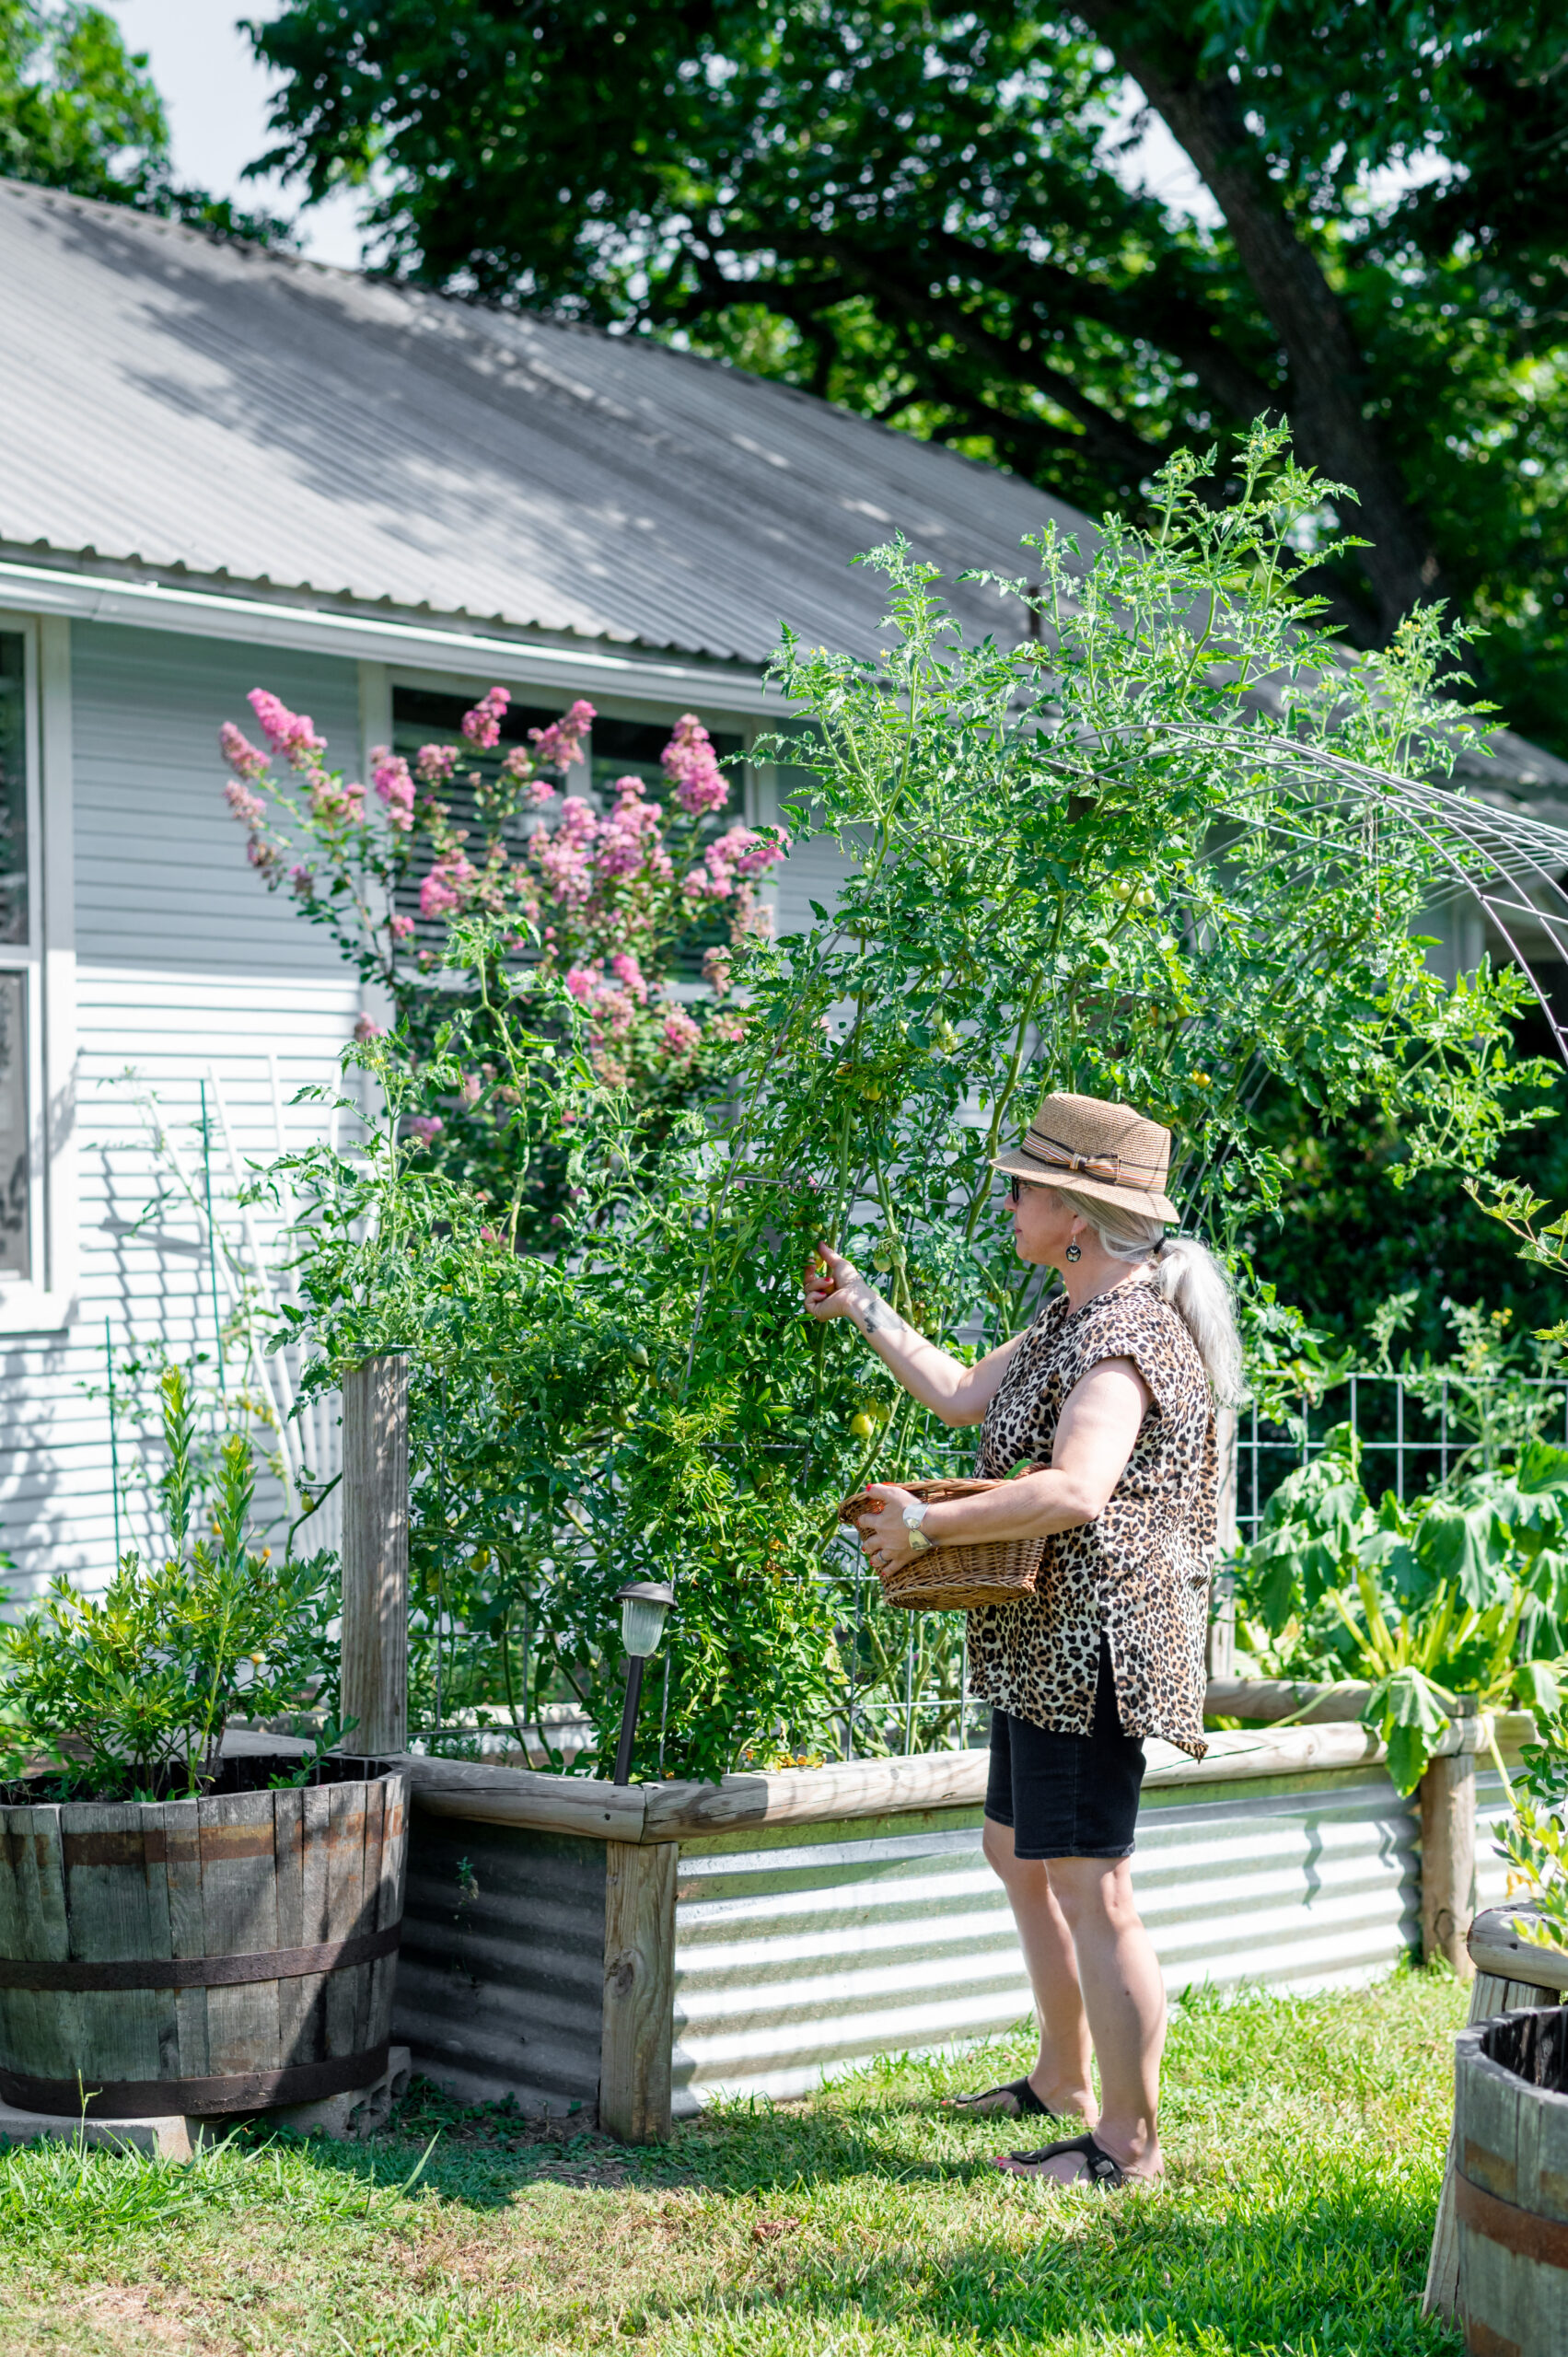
(959, 1394)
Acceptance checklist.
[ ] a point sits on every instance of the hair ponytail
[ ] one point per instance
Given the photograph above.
(1189, 1276)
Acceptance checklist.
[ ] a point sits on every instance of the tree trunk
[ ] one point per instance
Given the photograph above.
(1328, 374)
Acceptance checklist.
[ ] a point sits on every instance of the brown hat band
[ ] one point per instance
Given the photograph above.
(1108, 1168)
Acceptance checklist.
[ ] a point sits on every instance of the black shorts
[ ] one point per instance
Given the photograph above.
(1067, 1795)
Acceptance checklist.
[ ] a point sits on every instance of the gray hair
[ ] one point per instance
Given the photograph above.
(1189, 1276)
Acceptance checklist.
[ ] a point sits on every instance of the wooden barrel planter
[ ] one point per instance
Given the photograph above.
(207, 1956)
(1511, 2185)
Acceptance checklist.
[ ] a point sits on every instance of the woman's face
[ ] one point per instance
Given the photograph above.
(1044, 1225)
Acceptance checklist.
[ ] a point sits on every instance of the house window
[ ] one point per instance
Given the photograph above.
(16, 948)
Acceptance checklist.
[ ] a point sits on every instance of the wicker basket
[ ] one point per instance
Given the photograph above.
(953, 1578)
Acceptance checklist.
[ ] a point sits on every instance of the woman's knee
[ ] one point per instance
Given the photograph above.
(1102, 1886)
(996, 1845)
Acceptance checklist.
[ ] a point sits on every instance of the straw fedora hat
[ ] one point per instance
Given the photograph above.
(1104, 1151)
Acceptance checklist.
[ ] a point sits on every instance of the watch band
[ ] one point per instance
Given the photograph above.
(913, 1517)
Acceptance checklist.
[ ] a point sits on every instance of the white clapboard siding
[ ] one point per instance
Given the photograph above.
(161, 878)
(185, 965)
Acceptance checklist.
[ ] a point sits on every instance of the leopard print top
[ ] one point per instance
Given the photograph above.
(1140, 1572)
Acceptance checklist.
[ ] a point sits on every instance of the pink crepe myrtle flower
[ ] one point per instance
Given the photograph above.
(482, 726)
(436, 763)
(245, 759)
(718, 969)
(292, 734)
(442, 889)
(472, 1089)
(389, 775)
(557, 747)
(748, 852)
(426, 1126)
(580, 984)
(263, 856)
(400, 928)
(368, 1028)
(690, 763)
(627, 971)
(302, 882)
(488, 1235)
(681, 1036)
(729, 1027)
(561, 852)
(247, 808)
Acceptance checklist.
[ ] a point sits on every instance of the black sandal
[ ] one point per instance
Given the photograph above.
(1014, 2100)
(1100, 2169)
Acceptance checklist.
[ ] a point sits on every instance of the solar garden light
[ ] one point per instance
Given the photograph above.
(644, 1604)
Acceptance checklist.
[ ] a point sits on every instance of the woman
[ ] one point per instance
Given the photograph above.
(1108, 1398)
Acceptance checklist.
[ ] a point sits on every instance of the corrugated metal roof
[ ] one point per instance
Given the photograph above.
(177, 403)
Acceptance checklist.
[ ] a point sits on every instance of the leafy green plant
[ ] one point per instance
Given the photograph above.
(1148, 844)
(131, 1690)
(1534, 1840)
(1461, 1592)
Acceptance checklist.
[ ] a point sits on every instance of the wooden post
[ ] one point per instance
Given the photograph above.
(375, 1615)
(639, 1990)
(1447, 1860)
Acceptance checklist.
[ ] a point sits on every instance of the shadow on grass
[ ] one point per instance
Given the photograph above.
(485, 2154)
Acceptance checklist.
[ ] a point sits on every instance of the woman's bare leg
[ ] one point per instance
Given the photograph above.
(1061, 2077)
(1123, 1996)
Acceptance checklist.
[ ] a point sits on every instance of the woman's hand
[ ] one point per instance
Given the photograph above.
(884, 1535)
(835, 1286)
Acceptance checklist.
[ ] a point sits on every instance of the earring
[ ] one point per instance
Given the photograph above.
(1074, 1251)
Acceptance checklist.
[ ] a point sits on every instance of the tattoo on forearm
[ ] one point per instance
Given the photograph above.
(880, 1319)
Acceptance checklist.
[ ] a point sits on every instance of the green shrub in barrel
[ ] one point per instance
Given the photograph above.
(182, 1929)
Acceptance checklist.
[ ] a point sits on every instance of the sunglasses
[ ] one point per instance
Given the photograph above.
(1016, 1187)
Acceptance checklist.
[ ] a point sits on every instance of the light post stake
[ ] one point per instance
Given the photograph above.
(644, 1604)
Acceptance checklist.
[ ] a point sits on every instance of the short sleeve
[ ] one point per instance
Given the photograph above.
(1142, 1330)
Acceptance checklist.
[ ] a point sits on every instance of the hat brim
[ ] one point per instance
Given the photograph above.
(1141, 1199)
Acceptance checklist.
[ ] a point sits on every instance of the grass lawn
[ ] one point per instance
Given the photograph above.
(1304, 2136)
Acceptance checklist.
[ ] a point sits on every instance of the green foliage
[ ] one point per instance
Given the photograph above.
(1067, 867)
(78, 111)
(927, 214)
(1344, 1239)
(1535, 1838)
(1463, 1591)
(131, 1690)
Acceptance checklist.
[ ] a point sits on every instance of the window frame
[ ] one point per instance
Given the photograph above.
(44, 1300)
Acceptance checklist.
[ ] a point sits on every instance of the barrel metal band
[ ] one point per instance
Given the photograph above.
(1520, 2231)
(199, 1971)
(243, 2091)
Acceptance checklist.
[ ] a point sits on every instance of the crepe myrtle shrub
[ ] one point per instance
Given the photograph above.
(130, 1691)
(1149, 840)
(606, 900)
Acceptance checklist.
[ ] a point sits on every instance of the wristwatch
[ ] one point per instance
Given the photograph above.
(913, 1516)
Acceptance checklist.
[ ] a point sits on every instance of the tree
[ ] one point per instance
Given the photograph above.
(79, 111)
(917, 211)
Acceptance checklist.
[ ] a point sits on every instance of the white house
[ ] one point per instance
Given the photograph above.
(221, 469)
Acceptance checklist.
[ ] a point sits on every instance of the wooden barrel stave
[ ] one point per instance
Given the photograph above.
(232, 1873)
(106, 1880)
(1511, 2143)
